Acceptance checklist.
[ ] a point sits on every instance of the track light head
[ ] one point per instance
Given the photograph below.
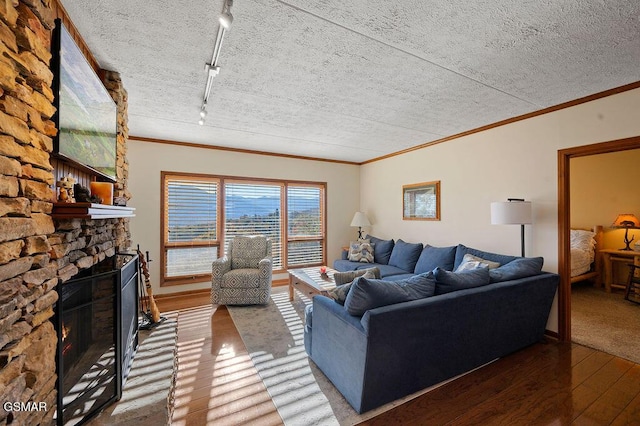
(226, 19)
(201, 122)
(203, 111)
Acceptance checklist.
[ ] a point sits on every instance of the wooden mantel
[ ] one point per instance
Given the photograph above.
(90, 211)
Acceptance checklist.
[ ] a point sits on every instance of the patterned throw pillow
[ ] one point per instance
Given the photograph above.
(361, 251)
(470, 261)
(339, 294)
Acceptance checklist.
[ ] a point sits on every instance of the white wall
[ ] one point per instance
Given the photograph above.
(515, 160)
(147, 160)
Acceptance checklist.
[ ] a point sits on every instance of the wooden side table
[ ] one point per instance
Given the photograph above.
(609, 256)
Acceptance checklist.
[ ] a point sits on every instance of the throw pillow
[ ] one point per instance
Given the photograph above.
(519, 268)
(382, 250)
(339, 293)
(447, 281)
(431, 257)
(470, 261)
(461, 250)
(366, 294)
(346, 277)
(405, 255)
(361, 251)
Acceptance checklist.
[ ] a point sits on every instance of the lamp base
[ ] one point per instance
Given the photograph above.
(628, 241)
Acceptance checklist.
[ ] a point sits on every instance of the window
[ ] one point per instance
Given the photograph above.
(190, 226)
(201, 214)
(254, 208)
(305, 241)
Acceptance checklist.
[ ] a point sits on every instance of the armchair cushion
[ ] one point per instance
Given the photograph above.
(247, 251)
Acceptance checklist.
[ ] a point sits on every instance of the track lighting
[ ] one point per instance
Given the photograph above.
(212, 68)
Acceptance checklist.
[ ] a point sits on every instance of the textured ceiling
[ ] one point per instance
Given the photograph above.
(355, 80)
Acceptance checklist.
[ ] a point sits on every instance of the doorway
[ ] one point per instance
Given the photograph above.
(564, 221)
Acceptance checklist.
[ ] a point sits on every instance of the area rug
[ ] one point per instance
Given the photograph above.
(605, 321)
(148, 393)
(273, 335)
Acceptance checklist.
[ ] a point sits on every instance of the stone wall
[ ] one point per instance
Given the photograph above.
(28, 277)
(37, 254)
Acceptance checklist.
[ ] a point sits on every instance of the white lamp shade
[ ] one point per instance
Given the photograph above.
(360, 219)
(511, 212)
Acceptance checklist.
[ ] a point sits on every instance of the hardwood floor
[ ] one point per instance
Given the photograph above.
(546, 384)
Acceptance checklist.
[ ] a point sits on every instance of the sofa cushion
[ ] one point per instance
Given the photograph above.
(405, 255)
(447, 281)
(431, 257)
(388, 270)
(339, 293)
(366, 294)
(461, 250)
(347, 276)
(382, 249)
(347, 265)
(518, 268)
(470, 261)
(361, 251)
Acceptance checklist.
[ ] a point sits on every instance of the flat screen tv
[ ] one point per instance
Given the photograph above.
(86, 116)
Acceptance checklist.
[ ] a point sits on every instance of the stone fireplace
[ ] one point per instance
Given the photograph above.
(38, 252)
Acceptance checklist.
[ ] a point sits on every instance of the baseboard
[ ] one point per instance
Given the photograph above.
(189, 293)
(552, 334)
(203, 292)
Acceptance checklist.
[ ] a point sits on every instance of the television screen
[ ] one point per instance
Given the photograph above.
(87, 116)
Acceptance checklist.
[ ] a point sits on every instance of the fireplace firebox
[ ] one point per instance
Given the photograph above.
(97, 326)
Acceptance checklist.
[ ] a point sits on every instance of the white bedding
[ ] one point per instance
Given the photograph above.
(580, 261)
(583, 247)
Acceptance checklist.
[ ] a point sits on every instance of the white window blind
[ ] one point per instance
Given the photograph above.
(304, 225)
(191, 226)
(254, 209)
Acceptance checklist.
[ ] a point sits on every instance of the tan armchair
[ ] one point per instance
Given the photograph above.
(243, 276)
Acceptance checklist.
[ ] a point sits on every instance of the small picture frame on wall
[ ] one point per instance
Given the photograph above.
(421, 201)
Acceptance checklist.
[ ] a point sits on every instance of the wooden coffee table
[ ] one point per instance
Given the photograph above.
(309, 282)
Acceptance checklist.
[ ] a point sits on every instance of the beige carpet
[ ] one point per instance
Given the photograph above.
(605, 321)
(302, 394)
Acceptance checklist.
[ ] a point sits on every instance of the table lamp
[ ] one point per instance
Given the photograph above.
(360, 219)
(627, 221)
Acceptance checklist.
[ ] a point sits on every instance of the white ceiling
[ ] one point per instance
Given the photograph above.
(355, 80)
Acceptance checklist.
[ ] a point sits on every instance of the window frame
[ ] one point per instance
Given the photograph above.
(221, 180)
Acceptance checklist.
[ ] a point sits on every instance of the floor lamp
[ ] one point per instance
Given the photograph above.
(514, 211)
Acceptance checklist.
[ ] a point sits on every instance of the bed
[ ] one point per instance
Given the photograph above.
(585, 262)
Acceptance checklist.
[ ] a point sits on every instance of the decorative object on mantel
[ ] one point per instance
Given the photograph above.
(103, 191)
(421, 201)
(84, 196)
(514, 211)
(627, 221)
(66, 189)
(360, 220)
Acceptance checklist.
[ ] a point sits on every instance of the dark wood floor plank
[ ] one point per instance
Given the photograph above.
(616, 398)
(630, 414)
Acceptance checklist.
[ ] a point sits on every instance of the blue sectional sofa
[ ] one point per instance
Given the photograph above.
(380, 353)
